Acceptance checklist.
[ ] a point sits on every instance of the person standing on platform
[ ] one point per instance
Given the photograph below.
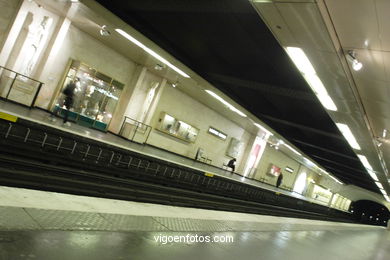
(232, 164)
(69, 95)
(279, 180)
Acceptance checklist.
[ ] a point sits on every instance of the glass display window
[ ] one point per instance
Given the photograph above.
(177, 128)
(95, 96)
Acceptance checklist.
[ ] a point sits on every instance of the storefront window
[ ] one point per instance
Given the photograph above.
(95, 96)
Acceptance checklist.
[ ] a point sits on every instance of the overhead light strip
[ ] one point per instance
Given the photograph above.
(151, 52)
(368, 166)
(292, 149)
(335, 179)
(348, 135)
(225, 103)
(304, 65)
(379, 185)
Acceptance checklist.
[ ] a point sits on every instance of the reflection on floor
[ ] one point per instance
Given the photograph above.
(292, 245)
(47, 225)
(43, 117)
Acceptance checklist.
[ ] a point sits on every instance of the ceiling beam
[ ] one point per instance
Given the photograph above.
(324, 149)
(303, 127)
(271, 89)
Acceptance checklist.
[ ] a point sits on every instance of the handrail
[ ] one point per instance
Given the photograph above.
(17, 74)
(138, 125)
(2, 67)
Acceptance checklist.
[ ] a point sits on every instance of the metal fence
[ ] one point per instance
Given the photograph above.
(134, 130)
(18, 88)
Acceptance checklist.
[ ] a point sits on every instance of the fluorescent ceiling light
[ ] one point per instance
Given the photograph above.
(373, 175)
(384, 134)
(316, 84)
(304, 65)
(387, 198)
(151, 52)
(262, 128)
(292, 149)
(379, 185)
(383, 192)
(225, 103)
(300, 60)
(348, 135)
(365, 162)
(368, 166)
(327, 102)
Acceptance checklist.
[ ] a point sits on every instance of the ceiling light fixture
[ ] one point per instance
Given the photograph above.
(365, 162)
(225, 103)
(373, 175)
(356, 65)
(346, 131)
(335, 179)
(151, 52)
(104, 31)
(384, 133)
(159, 67)
(304, 65)
(368, 166)
(380, 186)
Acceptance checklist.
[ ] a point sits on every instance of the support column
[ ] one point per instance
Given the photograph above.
(49, 90)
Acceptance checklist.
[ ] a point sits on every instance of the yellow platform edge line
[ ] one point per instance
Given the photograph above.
(8, 117)
(208, 174)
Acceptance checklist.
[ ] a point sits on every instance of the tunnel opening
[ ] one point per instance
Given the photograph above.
(370, 212)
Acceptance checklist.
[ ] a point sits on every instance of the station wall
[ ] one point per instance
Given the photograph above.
(275, 157)
(8, 10)
(185, 108)
(78, 45)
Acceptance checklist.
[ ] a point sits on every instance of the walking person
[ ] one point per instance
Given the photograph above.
(69, 95)
(279, 180)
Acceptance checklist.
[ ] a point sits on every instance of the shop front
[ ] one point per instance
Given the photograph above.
(95, 96)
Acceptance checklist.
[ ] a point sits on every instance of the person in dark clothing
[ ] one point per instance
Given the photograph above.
(232, 164)
(69, 94)
(279, 180)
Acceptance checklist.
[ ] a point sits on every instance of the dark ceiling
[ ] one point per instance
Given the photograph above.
(227, 43)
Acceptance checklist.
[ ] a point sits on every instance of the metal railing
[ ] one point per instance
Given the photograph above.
(134, 130)
(19, 88)
(58, 148)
